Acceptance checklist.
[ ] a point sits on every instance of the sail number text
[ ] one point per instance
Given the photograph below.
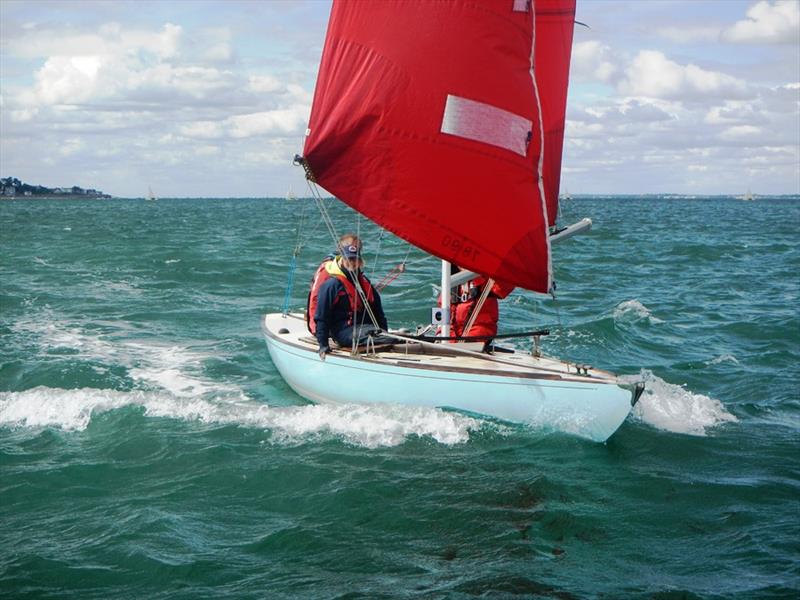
(458, 246)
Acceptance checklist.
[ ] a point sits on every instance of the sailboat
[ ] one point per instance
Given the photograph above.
(748, 196)
(443, 122)
(150, 195)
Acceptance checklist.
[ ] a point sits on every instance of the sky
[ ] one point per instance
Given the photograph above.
(211, 98)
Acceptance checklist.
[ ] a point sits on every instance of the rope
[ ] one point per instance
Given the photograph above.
(454, 348)
(289, 284)
(298, 244)
(487, 287)
(326, 218)
(390, 276)
(481, 338)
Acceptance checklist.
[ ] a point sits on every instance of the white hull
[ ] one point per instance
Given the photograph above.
(543, 392)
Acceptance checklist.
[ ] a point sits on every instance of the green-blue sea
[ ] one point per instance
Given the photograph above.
(150, 449)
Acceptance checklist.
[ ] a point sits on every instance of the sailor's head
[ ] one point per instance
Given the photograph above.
(350, 249)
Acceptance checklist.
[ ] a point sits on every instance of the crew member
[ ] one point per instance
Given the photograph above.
(336, 308)
(465, 304)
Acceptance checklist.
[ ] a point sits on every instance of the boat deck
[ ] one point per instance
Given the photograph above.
(460, 357)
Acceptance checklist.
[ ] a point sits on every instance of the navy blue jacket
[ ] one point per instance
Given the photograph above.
(332, 315)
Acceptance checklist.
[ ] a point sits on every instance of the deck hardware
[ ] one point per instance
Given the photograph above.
(637, 393)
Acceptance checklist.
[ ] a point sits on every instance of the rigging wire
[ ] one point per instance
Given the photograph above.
(298, 244)
(332, 230)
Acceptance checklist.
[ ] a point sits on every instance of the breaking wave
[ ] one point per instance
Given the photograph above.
(368, 426)
(632, 311)
(170, 382)
(674, 408)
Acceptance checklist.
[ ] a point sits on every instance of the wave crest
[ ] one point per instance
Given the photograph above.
(674, 408)
(632, 311)
(370, 426)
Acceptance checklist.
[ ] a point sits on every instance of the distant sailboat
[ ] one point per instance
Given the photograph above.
(748, 196)
(150, 194)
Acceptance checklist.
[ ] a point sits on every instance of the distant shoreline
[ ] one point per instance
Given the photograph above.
(57, 197)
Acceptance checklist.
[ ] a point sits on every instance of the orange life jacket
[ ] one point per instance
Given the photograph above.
(326, 270)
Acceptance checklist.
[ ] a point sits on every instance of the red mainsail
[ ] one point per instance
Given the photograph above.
(429, 120)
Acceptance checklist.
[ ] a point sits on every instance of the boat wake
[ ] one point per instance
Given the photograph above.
(366, 426)
(674, 408)
(171, 381)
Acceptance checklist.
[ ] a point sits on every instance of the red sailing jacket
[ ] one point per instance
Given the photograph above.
(486, 322)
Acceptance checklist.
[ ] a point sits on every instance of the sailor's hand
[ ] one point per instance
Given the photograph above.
(323, 352)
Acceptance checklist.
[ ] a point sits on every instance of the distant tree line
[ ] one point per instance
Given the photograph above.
(11, 186)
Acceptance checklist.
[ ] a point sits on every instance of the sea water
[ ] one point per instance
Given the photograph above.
(149, 448)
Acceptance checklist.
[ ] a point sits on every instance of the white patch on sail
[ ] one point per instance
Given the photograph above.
(520, 6)
(485, 123)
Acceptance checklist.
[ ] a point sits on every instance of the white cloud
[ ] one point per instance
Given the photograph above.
(187, 101)
(71, 146)
(265, 123)
(263, 84)
(652, 74)
(207, 150)
(732, 112)
(690, 34)
(261, 124)
(109, 40)
(202, 130)
(740, 132)
(592, 61)
(767, 23)
(64, 77)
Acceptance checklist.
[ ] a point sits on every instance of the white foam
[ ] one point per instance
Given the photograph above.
(70, 410)
(722, 359)
(175, 369)
(674, 408)
(372, 425)
(633, 310)
(369, 426)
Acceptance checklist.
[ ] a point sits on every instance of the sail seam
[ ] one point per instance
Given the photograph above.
(540, 165)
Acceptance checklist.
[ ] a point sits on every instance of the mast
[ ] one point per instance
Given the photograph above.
(446, 299)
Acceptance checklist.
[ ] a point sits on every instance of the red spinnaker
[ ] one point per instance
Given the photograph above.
(426, 120)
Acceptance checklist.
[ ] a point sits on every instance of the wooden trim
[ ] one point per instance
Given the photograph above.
(447, 369)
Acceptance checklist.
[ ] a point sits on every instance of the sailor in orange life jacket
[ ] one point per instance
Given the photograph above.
(335, 307)
(464, 304)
